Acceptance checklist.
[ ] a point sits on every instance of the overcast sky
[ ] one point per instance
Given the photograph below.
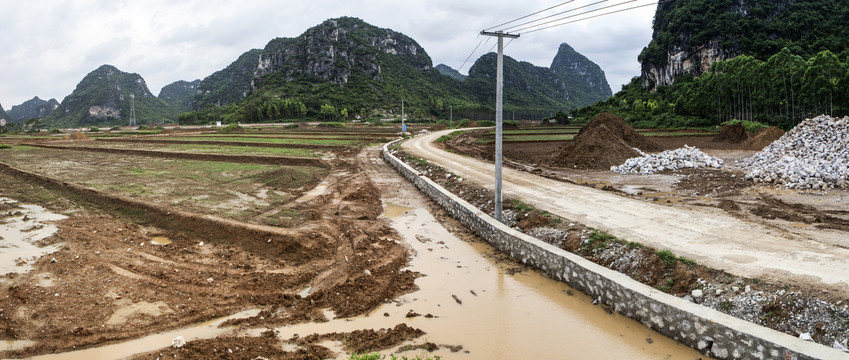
(47, 47)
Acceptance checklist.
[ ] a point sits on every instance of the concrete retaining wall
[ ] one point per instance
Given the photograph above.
(712, 332)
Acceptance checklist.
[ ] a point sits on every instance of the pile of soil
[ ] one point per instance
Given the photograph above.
(606, 141)
(762, 139)
(77, 136)
(734, 134)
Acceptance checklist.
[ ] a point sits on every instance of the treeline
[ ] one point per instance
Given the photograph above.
(781, 91)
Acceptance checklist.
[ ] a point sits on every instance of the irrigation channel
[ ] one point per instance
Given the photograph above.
(470, 296)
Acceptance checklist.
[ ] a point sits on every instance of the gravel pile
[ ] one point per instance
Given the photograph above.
(685, 157)
(814, 155)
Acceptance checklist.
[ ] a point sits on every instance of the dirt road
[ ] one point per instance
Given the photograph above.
(707, 235)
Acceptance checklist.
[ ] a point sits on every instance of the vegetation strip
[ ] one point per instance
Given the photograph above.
(705, 329)
(227, 143)
(251, 237)
(269, 160)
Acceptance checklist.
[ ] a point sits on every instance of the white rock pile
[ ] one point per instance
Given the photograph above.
(685, 157)
(813, 155)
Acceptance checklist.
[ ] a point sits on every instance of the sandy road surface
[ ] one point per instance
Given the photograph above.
(707, 235)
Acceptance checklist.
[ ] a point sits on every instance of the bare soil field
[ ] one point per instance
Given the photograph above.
(155, 244)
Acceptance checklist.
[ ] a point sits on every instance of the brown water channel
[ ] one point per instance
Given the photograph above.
(494, 308)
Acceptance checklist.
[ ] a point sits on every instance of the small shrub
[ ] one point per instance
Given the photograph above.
(462, 123)
(231, 128)
(5, 146)
(115, 128)
(667, 257)
(444, 138)
(160, 128)
(522, 207)
(291, 126)
(725, 306)
(144, 127)
(94, 129)
(332, 124)
(750, 126)
(55, 131)
(485, 123)
(687, 261)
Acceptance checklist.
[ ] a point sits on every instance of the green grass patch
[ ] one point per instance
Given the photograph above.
(5, 146)
(240, 150)
(340, 142)
(522, 207)
(667, 257)
(443, 139)
(750, 126)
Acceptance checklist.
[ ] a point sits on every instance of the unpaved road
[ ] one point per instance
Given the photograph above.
(707, 235)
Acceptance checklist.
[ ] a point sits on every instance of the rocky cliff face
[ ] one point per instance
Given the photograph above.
(229, 85)
(689, 36)
(336, 50)
(682, 59)
(33, 108)
(103, 98)
(3, 115)
(584, 77)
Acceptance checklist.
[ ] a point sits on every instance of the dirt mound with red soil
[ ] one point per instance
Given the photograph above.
(622, 130)
(77, 136)
(734, 134)
(596, 148)
(606, 141)
(762, 139)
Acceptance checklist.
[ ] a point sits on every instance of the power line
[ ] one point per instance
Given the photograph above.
(529, 15)
(595, 16)
(575, 15)
(553, 15)
(470, 55)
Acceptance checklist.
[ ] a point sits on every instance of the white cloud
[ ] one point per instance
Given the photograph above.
(48, 46)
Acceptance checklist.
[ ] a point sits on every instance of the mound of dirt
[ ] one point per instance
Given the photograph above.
(604, 142)
(77, 136)
(595, 148)
(734, 134)
(622, 130)
(762, 139)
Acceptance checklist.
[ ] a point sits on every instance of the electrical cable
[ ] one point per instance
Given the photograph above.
(553, 15)
(470, 55)
(595, 16)
(576, 15)
(529, 15)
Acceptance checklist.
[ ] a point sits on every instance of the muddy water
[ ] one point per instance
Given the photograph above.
(206, 330)
(494, 315)
(20, 231)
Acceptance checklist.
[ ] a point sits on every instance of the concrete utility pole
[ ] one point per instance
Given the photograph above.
(499, 121)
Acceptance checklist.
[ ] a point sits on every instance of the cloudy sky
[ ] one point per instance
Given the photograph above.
(48, 46)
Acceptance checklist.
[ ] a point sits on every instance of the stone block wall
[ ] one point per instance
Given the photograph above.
(714, 333)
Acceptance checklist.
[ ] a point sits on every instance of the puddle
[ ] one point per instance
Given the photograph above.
(206, 330)
(317, 191)
(128, 310)
(391, 210)
(160, 240)
(20, 230)
(11, 345)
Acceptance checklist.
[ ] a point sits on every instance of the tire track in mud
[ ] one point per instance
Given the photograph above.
(250, 159)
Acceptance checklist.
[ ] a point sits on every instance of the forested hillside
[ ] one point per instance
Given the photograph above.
(345, 68)
(786, 61)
